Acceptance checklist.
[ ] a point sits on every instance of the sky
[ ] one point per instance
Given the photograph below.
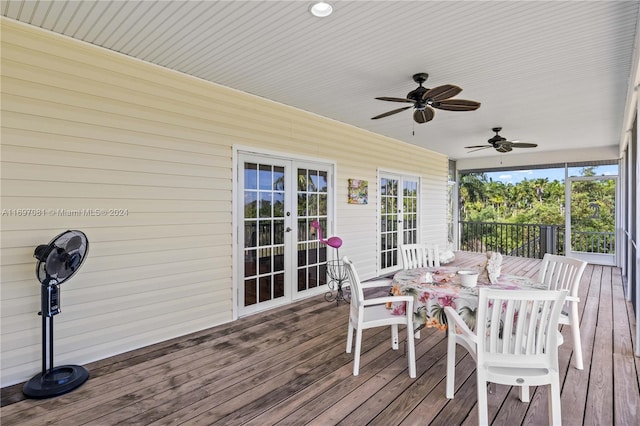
(515, 176)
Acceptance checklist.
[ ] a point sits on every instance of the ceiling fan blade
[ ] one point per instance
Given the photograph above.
(422, 116)
(441, 92)
(479, 149)
(386, 98)
(388, 113)
(524, 145)
(477, 146)
(457, 105)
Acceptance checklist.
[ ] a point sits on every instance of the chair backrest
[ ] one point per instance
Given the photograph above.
(357, 294)
(518, 328)
(419, 256)
(561, 273)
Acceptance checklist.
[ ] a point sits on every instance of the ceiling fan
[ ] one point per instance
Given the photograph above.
(501, 144)
(424, 100)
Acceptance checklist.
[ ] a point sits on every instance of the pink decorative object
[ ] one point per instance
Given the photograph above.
(335, 242)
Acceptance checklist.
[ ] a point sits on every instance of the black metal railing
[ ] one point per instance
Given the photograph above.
(530, 240)
(515, 239)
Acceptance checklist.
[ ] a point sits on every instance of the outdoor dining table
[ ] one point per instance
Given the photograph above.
(436, 287)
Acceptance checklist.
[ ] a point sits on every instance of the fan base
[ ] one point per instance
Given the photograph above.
(56, 381)
(420, 77)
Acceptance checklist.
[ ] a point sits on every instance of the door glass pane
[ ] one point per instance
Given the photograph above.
(265, 203)
(265, 177)
(322, 204)
(278, 287)
(593, 216)
(278, 178)
(250, 204)
(278, 204)
(322, 182)
(264, 291)
(250, 175)
(250, 292)
(250, 234)
(302, 204)
(278, 233)
(313, 205)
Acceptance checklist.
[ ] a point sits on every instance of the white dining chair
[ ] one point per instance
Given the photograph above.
(369, 313)
(419, 256)
(516, 344)
(565, 273)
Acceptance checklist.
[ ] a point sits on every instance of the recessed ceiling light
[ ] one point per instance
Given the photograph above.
(321, 9)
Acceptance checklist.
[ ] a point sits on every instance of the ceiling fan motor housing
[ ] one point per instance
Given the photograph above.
(416, 94)
(496, 139)
(42, 252)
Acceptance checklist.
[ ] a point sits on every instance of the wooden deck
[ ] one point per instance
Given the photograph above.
(288, 366)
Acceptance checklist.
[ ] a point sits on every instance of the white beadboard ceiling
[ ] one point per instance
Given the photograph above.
(555, 73)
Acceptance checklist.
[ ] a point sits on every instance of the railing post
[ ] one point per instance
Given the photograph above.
(547, 241)
(543, 242)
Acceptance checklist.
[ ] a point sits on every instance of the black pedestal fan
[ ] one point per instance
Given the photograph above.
(57, 262)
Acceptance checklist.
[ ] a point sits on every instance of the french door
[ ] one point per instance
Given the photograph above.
(398, 217)
(280, 257)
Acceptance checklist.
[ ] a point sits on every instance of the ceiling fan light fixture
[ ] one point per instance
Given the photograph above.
(321, 9)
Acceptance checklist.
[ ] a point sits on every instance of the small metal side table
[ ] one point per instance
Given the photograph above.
(337, 275)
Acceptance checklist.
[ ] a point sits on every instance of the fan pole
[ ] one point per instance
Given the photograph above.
(45, 367)
(50, 366)
(49, 306)
(52, 381)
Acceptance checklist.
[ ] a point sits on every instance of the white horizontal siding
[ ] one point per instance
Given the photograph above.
(85, 128)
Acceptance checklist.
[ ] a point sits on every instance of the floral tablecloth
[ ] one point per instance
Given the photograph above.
(444, 289)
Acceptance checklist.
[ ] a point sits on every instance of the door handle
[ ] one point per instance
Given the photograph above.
(288, 229)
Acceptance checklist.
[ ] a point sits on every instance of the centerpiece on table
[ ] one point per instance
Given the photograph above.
(492, 267)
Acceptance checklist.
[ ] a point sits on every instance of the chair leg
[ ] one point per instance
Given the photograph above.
(524, 393)
(394, 337)
(349, 337)
(575, 332)
(451, 363)
(411, 353)
(356, 355)
(555, 414)
(483, 409)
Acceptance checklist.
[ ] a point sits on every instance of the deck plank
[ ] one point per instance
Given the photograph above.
(288, 366)
(626, 409)
(575, 382)
(599, 408)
